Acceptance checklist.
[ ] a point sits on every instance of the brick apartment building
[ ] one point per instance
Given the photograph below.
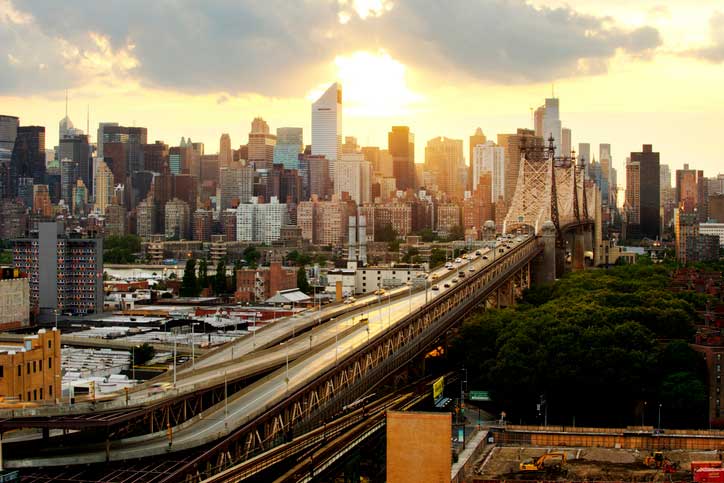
(259, 284)
(30, 371)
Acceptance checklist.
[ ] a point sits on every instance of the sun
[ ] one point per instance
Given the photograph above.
(374, 85)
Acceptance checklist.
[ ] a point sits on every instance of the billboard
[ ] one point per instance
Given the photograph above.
(437, 388)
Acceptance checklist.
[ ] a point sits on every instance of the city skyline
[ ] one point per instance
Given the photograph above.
(611, 88)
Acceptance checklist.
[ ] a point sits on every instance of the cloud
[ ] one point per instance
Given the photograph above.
(281, 47)
(714, 52)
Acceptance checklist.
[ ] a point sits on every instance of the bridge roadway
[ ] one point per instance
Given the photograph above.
(241, 408)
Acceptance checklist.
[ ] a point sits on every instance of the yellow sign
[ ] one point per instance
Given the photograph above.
(437, 388)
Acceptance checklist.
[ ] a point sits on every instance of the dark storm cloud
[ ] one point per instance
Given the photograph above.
(265, 46)
(714, 52)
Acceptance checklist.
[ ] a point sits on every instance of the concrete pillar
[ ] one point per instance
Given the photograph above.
(545, 270)
(588, 243)
(577, 255)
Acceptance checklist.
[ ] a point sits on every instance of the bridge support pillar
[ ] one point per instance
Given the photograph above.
(588, 244)
(545, 271)
(577, 251)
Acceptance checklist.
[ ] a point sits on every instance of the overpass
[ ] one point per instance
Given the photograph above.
(349, 357)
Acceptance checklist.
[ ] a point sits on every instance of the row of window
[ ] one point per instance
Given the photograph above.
(35, 394)
(35, 366)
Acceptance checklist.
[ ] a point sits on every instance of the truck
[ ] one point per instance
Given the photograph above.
(709, 475)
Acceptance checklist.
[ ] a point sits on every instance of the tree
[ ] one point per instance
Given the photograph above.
(121, 249)
(456, 233)
(302, 282)
(203, 274)
(189, 285)
(386, 234)
(220, 278)
(251, 256)
(143, 354)
(437, 257)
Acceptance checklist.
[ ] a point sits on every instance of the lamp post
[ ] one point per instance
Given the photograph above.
(409, 296)
(193, 348)
(659, 425)
(643, 412)
(174, 359)
(389, 313)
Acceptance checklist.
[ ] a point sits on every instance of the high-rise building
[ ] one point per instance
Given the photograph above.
(512, 144)
(315, 170)
(605, 160)
(8, 133)
(447, 217)
(648, 191)
(104, 187)
(584, 156)
(77, 149)
(146, 221)
(101, 137)
(115, 222)
(28, 159)
(372, 155)
(261, 144)
(42, 206)
(353, 175)
(489, 158)
(236, 185)
(475, 140)
(14, 219)
(225, 154)
(323, 223)
(80, 199)
(65, 272)
(177, 217)
(327, 126)
(155, 157)
(261, 223)
(69, 173)
(128, 157)
(692, 192)
(444, 158)
(552, 124)
(201, 225)
(401, 145)
(350, 145)
(290, 144)
(185, 187)
(566, 145)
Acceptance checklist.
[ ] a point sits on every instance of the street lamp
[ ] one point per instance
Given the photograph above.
(193, 347)
(642, 414)
(659, 425)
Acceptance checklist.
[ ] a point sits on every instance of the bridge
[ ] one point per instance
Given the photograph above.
(554, 200)
(226, 411)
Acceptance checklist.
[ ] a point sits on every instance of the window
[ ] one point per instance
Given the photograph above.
(2, 371)
(41, 393)
(35, 394)
(28, 396)
(35, 366)
(28, 373)
(50, 344)
(20, 371)
(50, 390)
(50, 362)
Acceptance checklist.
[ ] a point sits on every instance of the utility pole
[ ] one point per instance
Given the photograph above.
(174, 359)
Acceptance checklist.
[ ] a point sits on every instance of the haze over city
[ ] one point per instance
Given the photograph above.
(623, 70)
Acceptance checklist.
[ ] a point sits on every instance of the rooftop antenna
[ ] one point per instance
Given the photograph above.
(66, 103)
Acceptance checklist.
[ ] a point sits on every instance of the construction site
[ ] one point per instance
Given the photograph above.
(600, 455)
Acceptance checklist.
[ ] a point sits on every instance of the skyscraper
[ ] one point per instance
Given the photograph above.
(444, 157)
(584, 155)
(353, 175)
(28, 159)
(76, 148)
(632, 204)
(237, 186)
(552, 124)
(225, 154)
(104, 187)
(68, 175)
(327, 125)
(691, 192)
(490, 159)
(290, 144)
(565, 142)
(8, 133)
(261, 144)
(648, 190)
(475, 140)
(101, 136)
(401, 144)
(155, 157)
(604, 158)
(538, 120)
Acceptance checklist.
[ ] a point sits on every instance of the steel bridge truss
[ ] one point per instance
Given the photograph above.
(356, 374)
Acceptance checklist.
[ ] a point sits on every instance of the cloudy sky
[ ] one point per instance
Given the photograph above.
(627, 72)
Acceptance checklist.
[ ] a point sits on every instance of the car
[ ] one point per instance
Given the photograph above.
(350, 300)
(485, 257)
(380, 291)
(435, 276)
(447, 285)
(160, 387)
(458, 260)
(471, 269)
(454, 280)
(477, 254)
(435, 287)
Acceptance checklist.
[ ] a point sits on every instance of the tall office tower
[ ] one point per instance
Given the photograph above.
(155, 157)
(489, 158)
(236, 186)
(25, 191)
(648, 191)
(317, 173)
(667, 194)
(261, 223)
(65, 272)
(566, 145)
(353, 175)
(124, 145)
(69, 173)
(225, 154)
(632, 203)
(42, 206)
(66, 128)
(692, 192)
(201, 225)
(185, 187)
(28, 158)
(290, 144)
(401, 145)
(77, 149)
(327, 126)
(101, 137)
(475, 140)
(105, 188)
(512, 144)
(177, 217)
(80, 199)
(552, 124)
(261, 144)
(14, 219)
(372, 155)
(8, 133)
(174, 160)
(478, 208)
(604, 158)
(146, 221)
(116, 221)
(444, 157)
(538, 116)
(350, 145)
(584, 156)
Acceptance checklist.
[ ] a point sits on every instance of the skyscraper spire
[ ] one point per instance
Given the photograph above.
(66, 103)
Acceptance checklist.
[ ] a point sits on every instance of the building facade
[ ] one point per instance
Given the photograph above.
(30, 371)
(327, 126)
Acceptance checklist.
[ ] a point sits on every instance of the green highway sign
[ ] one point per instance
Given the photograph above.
(479, 396)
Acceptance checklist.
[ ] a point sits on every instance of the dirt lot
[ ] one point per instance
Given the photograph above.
(592, 464)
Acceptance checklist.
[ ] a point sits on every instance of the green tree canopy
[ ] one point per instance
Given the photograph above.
(189, 284)
(302, 282)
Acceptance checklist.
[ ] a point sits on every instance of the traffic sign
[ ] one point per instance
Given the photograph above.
(479, 396)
